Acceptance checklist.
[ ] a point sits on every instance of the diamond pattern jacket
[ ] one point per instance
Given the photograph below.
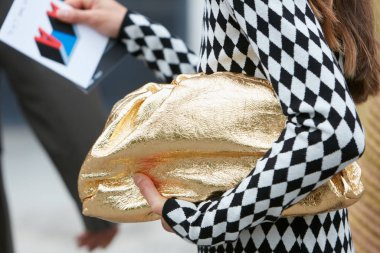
(281, 41)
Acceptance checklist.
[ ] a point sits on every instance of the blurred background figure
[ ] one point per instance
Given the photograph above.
(365, 215)
(66, 122)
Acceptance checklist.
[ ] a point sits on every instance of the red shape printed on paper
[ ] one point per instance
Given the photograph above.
(53, 13)
(48, 39)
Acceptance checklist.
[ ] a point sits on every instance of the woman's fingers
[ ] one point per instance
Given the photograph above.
(97, 239)
(78, 4)
(150, 193)
(75, 16)
(81, 12)
(154, 198)
(166, 226)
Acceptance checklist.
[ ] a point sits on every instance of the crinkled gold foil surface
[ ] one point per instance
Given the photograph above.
(196, 138)
(343, 190)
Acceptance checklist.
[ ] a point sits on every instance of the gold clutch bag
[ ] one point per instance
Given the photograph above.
(196, 138)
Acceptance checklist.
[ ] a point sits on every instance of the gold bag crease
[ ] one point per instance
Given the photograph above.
(196, 138)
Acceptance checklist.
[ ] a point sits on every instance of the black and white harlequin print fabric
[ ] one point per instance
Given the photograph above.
(283, 42)
(327, 232)
(166, 55)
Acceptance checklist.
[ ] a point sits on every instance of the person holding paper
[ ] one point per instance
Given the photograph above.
(279, 41)
(107, 17)
(65, 120)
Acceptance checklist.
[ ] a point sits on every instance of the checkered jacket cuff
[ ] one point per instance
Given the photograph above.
(165, 54)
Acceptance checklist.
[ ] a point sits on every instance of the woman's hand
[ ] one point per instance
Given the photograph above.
(105, 16)
(97, 239)
(154, 198)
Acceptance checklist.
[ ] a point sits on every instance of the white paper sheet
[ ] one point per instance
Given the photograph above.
(22, 25)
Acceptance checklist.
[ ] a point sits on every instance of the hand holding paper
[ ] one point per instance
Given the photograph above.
(103, 15)
(75, 51)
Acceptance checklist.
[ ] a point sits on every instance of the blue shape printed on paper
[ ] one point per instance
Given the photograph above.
(67, 40)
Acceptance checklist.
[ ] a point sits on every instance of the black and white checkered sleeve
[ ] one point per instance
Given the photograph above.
(165, 54)
(322, 134)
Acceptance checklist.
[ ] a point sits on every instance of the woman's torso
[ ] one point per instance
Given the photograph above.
(224, 47)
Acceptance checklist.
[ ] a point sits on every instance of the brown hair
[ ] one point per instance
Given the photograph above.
(349, 28)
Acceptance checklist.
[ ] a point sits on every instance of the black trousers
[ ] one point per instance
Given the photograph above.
(5, 233)
(65, 120)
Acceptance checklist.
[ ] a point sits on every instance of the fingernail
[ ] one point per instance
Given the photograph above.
(137, 179)
(63, 13)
